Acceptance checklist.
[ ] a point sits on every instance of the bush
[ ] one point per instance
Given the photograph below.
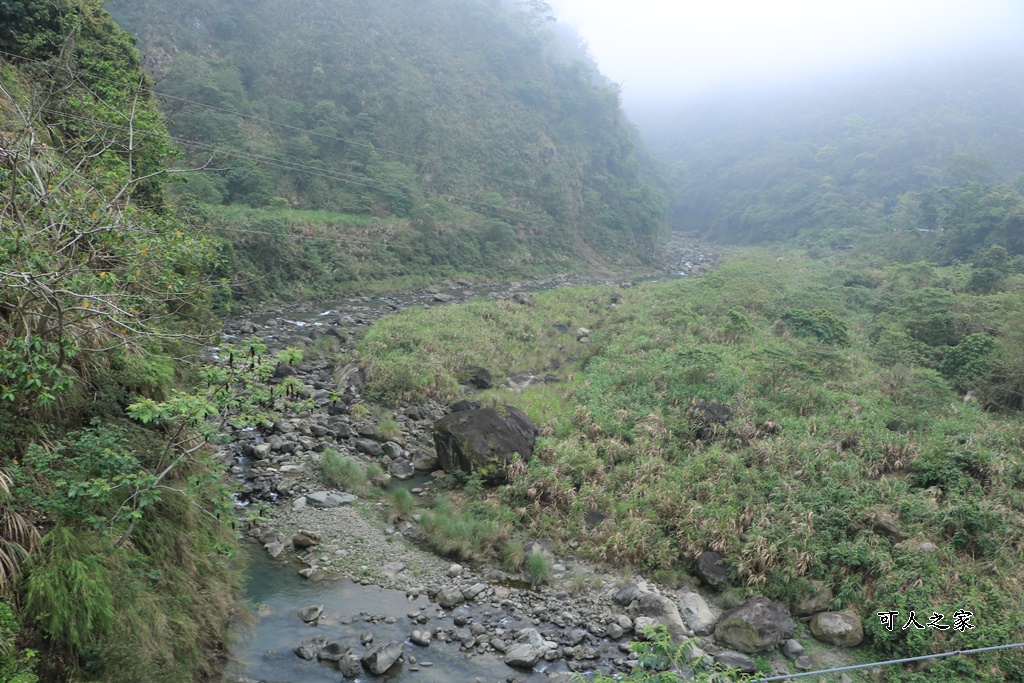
(819, 324)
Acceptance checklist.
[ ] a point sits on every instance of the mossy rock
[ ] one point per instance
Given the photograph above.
(484, 441)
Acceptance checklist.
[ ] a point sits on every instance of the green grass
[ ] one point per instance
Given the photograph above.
(389, 430)
(345, 473)
(418, 354)
(402, 503)
(461, 535)
(826, 437)
(537, 570)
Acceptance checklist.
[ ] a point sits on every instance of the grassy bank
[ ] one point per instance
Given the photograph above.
(847, 454)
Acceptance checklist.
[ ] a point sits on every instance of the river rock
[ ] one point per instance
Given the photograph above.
(450, 596)
(424, 461)
(369, 446)
(309, 648)
(757, 625)
(333, 652)
(792, 648)
(476, 376)
(663, 610)
(483, 441)
(527, 650)
(736, 660)
(842, 629)
(697, 613)
(812, 600)
(383, 657)
(305, 539)
(311, 613)
(421, 638)
(401, 469)
(327, 499)
(627, 594)
(349, 666)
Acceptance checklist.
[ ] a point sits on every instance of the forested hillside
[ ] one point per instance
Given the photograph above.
(114, 564)
(472, 135)
(934, 151)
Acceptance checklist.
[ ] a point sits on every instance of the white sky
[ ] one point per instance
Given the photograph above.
(681, 49)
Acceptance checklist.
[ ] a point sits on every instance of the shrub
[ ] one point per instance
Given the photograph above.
(819, 324)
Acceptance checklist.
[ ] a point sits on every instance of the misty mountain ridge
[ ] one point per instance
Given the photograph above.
(844, 157)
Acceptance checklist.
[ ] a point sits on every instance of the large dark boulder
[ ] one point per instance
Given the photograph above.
(712, 569)
(757, 625)
(476, 376)
(483, 441)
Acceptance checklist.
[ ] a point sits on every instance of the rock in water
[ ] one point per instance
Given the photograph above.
(381, 658)
(311, 614)
(309, 648)
(349, 666)
(483, 441)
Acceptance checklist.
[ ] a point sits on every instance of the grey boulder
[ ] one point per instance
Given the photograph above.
(383, 657)
(757, 625)
(663, 610)
(842, 629)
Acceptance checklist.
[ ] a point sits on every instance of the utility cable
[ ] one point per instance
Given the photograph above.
(889, 662)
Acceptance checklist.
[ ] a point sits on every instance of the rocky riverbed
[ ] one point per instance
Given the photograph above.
(404, 612)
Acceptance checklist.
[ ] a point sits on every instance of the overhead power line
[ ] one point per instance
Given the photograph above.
(889, 662)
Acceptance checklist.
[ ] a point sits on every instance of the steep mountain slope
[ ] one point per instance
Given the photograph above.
(447, 115)
(113, 563)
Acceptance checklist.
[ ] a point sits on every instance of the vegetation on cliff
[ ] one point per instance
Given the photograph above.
(467, 136)
(114, 565)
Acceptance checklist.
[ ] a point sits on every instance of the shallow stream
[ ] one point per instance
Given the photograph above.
(276, 592)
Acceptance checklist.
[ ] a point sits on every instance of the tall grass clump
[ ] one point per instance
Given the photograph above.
(389, 429)
(344, 473)
(402, 503)
(460, 535)
(537, 569)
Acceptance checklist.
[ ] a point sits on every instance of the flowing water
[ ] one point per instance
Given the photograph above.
(276, 592)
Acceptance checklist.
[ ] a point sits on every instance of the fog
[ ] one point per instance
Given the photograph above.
(669, 51)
